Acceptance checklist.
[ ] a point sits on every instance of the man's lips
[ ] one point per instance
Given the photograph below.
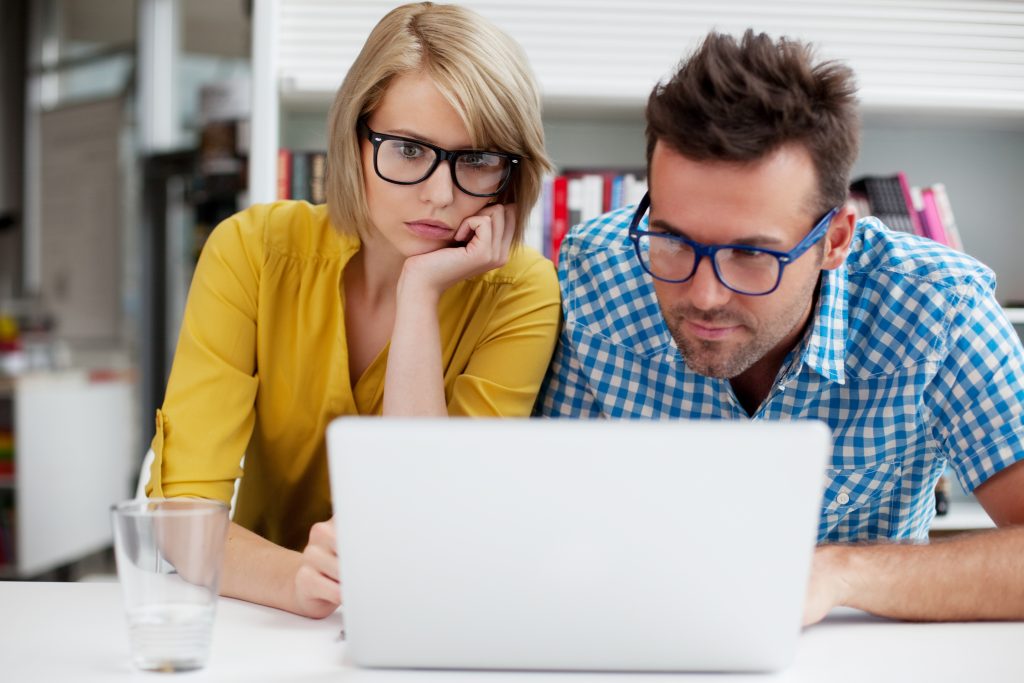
(710, 331)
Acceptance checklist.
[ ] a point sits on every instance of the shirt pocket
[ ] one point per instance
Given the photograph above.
(858, 503)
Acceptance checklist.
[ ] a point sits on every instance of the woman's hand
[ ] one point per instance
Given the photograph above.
(317, 590)
(489, 234)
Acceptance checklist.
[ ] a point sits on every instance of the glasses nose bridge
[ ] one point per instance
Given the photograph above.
(442, 155)
(708, 250)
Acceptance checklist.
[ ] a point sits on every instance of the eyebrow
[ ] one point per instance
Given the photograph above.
(406, 133)
(764, 241)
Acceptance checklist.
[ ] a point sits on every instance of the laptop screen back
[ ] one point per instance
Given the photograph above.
(586, 545)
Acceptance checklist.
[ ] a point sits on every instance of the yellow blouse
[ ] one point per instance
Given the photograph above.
(261, 365)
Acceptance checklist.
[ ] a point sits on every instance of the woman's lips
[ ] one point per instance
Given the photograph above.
(434, 230)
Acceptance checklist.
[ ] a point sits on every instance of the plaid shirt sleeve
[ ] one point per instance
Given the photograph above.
(565, 392)
(978, 392)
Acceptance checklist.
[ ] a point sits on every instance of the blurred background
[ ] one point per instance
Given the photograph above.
(123, 141)
(130, 128)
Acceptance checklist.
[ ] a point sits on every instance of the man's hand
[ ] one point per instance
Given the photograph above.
(317, 590)
(828, 586)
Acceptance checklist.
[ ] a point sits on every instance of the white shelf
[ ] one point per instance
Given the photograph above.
(918, 62)
(1015, 315)
(73, 460)
(965, 514)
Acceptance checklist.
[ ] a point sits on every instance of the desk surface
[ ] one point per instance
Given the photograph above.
(76, 631)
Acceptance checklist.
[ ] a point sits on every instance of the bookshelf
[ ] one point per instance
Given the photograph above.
(941, 85)
(73, 458)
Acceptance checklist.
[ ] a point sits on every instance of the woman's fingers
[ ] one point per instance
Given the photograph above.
(465, 230)
(321, 552)
(323, 560)
(317, 590)
(509, 230)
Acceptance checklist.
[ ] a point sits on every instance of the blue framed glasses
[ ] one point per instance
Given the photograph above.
(405, 161)
(752, 271)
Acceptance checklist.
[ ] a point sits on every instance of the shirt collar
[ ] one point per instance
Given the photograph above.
(825, 347)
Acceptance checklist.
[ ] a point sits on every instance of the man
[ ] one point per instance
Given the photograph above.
(751, 291)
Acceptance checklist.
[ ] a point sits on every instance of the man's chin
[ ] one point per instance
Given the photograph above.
(712, 371)
(718, 366)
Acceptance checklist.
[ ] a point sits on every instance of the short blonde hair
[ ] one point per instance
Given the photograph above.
(480, 70)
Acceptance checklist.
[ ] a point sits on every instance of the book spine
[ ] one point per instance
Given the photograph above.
(917, 206)
(915, 220)
(559, 215)
(317, 177)
(300, 175)
(946, 212)
(932, 217)
(533, 233)
(284, 174)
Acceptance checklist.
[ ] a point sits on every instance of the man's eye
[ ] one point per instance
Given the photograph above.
(749, 255)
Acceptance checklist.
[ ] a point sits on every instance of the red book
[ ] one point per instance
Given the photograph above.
(559, 214)
(284, 174)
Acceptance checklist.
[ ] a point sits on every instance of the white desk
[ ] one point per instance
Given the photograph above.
(76, 632)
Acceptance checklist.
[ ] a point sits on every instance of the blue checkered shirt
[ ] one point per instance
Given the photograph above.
(908, 358)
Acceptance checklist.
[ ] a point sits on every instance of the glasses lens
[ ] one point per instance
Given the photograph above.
(481, 172)
(666, 258)
(748, 271)
(402, 161)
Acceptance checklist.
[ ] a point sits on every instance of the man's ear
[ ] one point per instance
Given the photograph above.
(838, 238)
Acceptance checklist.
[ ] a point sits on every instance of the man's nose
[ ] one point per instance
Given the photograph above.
(704, 290)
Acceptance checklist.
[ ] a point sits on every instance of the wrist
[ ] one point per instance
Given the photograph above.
(291, 585)
(841, 565)
(415, 290)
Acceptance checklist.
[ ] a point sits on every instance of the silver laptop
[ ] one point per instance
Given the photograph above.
(575, 545)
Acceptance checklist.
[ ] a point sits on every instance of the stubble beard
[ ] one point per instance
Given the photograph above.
(712, 358)
(728, 359)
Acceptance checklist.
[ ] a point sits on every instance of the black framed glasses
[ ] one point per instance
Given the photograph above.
(753, 271)
(405, 161)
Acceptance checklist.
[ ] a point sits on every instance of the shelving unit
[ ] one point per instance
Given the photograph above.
(941, 86)
(72, 459)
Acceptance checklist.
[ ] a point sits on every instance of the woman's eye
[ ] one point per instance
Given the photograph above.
(410, 150)
(473, 160)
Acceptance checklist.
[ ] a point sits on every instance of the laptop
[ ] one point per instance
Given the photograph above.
(575, 545)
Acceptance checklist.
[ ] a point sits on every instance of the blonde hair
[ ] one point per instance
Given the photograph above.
(481, 71)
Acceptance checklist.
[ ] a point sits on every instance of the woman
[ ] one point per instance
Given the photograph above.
(404, 295)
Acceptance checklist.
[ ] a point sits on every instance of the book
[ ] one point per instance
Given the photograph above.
(284, 174)
(945, 210)
(317, 177)
(300, 175)
(931, 219)
(559, 214)
(890, 201)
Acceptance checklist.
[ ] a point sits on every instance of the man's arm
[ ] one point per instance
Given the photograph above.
(977, 576)
(565, 392)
